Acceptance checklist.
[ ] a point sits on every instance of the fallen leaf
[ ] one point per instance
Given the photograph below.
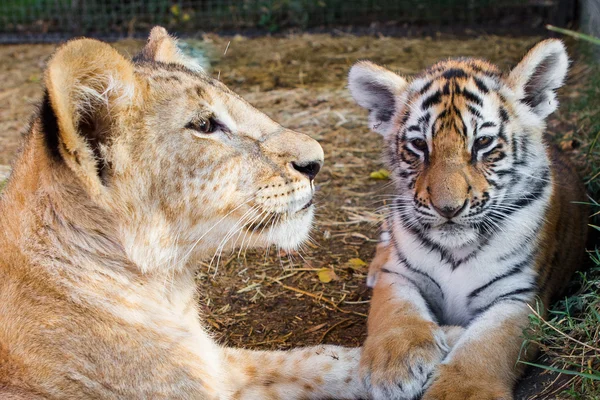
(357, 263)
(382, 174)
(326, 275)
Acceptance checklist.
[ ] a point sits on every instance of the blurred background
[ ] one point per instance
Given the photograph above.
(45, 20)
(290, 59)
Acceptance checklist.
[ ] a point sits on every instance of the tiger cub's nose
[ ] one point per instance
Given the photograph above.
(450, 211)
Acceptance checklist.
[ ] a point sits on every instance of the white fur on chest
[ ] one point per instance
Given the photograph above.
(457, 291)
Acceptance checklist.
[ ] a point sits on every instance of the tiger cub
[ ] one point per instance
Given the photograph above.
(484, 223)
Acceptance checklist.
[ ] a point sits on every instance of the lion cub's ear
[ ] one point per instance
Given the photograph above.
(88, 84)
(537, 77)
(161, 47)
(376, 89)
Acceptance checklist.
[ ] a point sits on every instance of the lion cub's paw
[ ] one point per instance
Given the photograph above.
(399, 364)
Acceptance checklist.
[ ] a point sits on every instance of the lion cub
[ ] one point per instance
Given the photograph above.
(129, 172)
(487, 219)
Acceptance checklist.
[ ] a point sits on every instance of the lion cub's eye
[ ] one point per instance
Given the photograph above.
(202, 125)
(482, 142)
(419, 144)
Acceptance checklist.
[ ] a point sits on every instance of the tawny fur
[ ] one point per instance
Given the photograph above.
(112, 199)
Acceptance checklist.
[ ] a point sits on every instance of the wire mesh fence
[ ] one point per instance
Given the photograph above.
(22, 20)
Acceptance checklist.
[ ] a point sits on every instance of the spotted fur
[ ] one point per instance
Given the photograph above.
(485, 221)
(130, 172)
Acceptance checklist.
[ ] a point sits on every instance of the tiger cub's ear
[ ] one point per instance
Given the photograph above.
(376, 89)
(537, 77)
(161, 47)
(88, 84)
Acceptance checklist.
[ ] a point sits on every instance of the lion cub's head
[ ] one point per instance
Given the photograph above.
(184, 164)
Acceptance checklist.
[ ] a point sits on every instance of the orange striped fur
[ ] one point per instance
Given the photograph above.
(487, 221)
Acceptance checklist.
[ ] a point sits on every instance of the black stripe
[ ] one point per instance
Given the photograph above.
(446, 89)
(411, 280)
(510, 296)
(416, 286)
(514, 270)
(412, 269)
(456, 89)
(486, 72)
(461, 129)
(454, 73)
(499, 157)
(515, 150)
(480, 85)
(472, 97)
(443, 253)
(424, 119)
(435, 98)
(503, 172)
(425, 88)
(524, 148)
(502, 132)
(408, 150)
(474, 111)
(406, 173)
(503, 114)
(539, 185)
(444, 256)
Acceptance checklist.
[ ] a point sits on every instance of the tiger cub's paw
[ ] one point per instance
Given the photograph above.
(398, 364)
(382, 255)
(453, 384)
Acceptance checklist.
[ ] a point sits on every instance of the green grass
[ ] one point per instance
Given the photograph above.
(570, 334)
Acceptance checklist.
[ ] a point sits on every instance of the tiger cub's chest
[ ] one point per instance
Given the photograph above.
(456, 292)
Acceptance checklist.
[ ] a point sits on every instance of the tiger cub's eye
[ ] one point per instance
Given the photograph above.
(419, 144)
(483, 141)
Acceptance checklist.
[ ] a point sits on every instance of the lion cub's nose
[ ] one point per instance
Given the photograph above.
(309, 169)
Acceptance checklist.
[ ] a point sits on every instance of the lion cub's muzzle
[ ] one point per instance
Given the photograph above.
(291, 189)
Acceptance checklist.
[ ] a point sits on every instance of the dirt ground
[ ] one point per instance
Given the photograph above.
(276, 300)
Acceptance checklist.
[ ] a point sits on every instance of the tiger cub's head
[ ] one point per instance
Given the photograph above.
(464, 140)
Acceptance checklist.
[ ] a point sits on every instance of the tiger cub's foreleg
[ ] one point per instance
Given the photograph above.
(320, 372)
(404, 345)
(482, 365)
